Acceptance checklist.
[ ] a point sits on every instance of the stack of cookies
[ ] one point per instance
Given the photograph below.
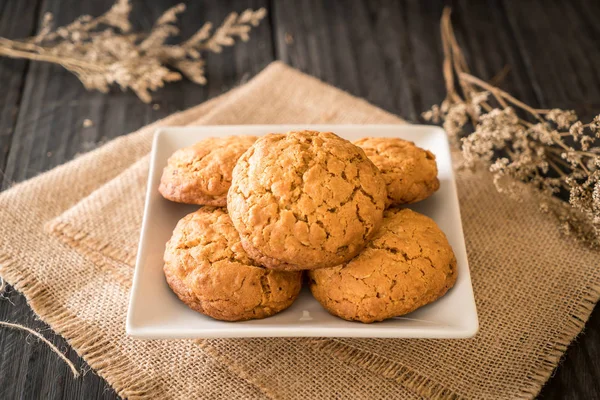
(281, 204)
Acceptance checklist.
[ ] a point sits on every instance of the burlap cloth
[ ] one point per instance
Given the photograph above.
(68, 240)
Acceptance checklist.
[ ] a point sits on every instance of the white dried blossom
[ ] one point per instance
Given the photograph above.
(544, 152)
(455, 120)
(586, 142)
(479, 97)
(593, 164)
(562, 118)
(499, 165)
(576, 130)
(572, 157)
(596, 196)
(433, 115)
(543, 133)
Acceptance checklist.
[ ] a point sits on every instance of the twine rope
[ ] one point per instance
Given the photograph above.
(38, 335)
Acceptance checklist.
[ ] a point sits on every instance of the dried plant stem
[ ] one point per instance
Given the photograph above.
(499, 77)
(500, 94)
(43, 339)
(518, 142)
(101, 52)
(556, 158)
(15, 44)
(556, 168)
(13, 53)
(448, 57)
(583, 153)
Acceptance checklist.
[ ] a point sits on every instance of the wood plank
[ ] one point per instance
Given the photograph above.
(577, 377)
(559, 47)
(380, 49)
(425, 49)
(49, 131)
(28, 369)
(579, 373)
(388, 52)
(50, 126)
(12, 71)
(559, 53)
(384, 51)
(489, 45)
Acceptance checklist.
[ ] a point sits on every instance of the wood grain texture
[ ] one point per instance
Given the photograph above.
(368, 48)
(386, 51)
(13, 71)
(48, 130)
(560, 53)
(396, 60)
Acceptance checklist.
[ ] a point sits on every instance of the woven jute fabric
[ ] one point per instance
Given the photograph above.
(68, 239)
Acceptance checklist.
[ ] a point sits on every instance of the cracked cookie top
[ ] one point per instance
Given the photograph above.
(408, 264)
(201, 174)
(410, 172)
(207, 268)
(305, 200)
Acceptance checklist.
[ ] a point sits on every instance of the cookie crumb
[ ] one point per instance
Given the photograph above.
(289, 39)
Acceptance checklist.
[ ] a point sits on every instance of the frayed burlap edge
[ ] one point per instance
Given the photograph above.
(88, 246)
(95, 250)
(108, 361)
(428, 388)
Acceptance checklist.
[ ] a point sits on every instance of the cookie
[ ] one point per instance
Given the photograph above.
(201, 174)
(410, 172)
(305, 200)
(407, 265)
(207, 268)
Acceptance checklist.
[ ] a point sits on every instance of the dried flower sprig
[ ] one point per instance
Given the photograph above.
(102, 51)
(549, 151)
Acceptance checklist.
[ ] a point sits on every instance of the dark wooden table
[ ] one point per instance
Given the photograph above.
(388, 52)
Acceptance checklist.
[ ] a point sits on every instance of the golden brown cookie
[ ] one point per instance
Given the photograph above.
(207, 268)
(408, 264)
(201, 174)
(410, 172)
(305, 200)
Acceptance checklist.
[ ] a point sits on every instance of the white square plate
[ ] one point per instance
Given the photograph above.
(156, 313)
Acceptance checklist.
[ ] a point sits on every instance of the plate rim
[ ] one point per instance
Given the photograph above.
(446, 332)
